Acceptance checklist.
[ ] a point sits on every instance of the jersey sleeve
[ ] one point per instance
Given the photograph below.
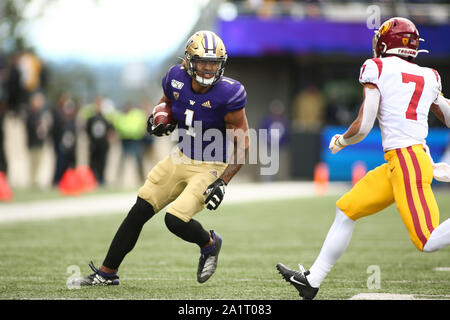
(370, 71)
(438, 84)
(166, 83)
(237, 99)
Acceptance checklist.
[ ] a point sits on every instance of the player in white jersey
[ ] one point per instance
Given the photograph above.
(400, 94)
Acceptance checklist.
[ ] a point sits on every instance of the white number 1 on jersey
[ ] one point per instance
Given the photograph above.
(188, 122)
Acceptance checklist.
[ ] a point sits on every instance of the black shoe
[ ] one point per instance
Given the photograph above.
(98, 278)
(207, 263)
(298, 280)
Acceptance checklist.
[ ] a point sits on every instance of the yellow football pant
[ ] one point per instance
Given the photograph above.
(182, 181)
(406, 180)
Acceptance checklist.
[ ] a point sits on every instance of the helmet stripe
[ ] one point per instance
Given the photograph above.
(213, 43)
(206, 41)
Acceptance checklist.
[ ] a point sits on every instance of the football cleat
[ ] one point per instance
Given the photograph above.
(207, 264)
(298, 280)
(98, 278)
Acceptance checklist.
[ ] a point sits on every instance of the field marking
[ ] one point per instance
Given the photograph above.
(442, 269)
(89, 205)
(395, 296)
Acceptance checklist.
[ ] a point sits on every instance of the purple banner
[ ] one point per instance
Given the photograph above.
(253, 36)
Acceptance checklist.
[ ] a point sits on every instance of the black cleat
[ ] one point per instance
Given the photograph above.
(207, 263)
(98, 278)
(298, 280)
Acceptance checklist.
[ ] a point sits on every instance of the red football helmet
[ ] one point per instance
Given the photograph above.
(397, 36)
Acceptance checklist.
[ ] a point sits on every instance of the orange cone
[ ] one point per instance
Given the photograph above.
(321, 178)
(358, 171)
(5, 191)
(87, 178)
(70, 183)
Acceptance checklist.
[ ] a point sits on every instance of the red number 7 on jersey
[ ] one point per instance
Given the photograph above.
(411, 113)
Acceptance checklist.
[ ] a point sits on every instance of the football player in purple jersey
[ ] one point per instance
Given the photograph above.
(206, 107)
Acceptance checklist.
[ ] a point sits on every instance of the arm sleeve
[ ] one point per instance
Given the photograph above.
(439, 86)
(237, 100)
(370, 111)
(166, 83)
(444, 105)
(370, 71)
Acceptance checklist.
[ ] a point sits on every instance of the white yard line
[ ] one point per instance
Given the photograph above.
(442, 269)
(396, 296)
(119, 203)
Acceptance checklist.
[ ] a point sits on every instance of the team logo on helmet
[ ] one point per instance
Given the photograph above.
(385, 27)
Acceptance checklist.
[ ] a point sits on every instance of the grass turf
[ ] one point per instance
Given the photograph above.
(37, 258)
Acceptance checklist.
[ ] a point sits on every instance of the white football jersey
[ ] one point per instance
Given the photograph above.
(407, 92)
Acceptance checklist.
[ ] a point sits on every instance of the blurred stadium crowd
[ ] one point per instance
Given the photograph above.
(42, 134)
(31, 124)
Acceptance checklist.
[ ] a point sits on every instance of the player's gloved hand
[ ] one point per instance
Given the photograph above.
(336, 144)
(215, 193)
(160, 129)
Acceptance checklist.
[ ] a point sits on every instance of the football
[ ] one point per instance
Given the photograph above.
(162, 113)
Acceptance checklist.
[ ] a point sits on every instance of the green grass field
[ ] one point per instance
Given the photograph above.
(35, 256)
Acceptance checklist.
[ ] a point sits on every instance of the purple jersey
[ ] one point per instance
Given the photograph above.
(200, 116)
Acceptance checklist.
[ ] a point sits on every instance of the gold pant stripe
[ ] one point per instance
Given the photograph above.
(409, 197)
(420, 189)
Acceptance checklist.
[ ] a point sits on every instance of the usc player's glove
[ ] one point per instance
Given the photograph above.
(336, 143)
(215, 193)
(160, 129)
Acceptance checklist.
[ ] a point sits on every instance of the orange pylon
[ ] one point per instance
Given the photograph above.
(87, 178)
(5, 191)
(359, 170)
(321, 178)
(70, 183)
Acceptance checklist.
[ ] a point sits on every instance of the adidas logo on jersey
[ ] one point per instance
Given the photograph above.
(206, 104)
(191, 102)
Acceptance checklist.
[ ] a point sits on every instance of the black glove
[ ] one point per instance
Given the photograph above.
(160, 129)
(215, 193)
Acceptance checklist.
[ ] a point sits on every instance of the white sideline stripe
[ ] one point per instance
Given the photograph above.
(395, 296)
(121, 203)
(442, 269)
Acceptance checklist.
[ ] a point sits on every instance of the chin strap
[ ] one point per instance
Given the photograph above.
(205, 82)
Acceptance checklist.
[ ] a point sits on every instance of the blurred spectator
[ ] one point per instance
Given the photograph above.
(277, 125)
(98, 130)
(64, 135)
(26, 75)
(309, 110)
(331, 111)
(130, 125)
(38, 122)
(276, 119)
(3, 162)
(147, 108)
(15, 92)
(3, 77)
(31, 69)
